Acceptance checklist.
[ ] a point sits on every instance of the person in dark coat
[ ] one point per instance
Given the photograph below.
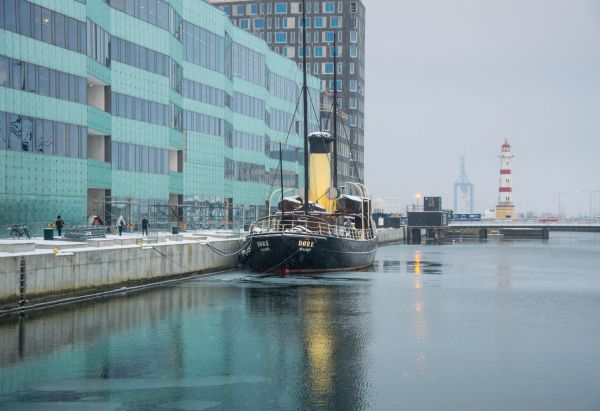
(145, 226)
(59, 223)
(120, 224)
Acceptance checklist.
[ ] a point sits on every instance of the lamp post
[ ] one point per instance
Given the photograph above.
(559, 194)
(590, 195)
(418, 197)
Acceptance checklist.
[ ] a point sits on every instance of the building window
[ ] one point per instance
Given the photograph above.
(301, 51)
(353, 7)
(244, 24)
(340, 7)
(306, 22)
(351, 68)
(353, 37)
(318, 22)
(280, 8)
(339, 85)
(318, 51)
(334, 22)
(353, 85)
(352, 120)
(329, 36)
(353, 51)
(352, 102)
(240, 10)
(281, 37)
(259, 23)
(329, 7)
(328, 68)
(253, 9)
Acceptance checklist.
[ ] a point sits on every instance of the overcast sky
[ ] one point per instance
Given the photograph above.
(452, 77)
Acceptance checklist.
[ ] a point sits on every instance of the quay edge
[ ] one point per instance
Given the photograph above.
(41, 277)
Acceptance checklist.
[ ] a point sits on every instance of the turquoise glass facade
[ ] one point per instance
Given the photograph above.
(147, 104)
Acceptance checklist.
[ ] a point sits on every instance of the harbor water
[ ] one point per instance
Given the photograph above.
(492, 325)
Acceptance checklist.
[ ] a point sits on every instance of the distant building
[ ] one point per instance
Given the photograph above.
(280, 24)
(505, 209)
(464, 191)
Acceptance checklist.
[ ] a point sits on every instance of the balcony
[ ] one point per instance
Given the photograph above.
(99, 122)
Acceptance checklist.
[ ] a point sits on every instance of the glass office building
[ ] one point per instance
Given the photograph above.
(279, 23)
(149, 105)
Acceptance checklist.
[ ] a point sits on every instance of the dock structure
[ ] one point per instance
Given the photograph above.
(426, 224)
(527, 228)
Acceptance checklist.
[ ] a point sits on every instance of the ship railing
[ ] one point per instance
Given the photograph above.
(310, 227)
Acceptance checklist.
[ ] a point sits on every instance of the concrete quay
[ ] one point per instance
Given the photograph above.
(390, 235)
(37, 271)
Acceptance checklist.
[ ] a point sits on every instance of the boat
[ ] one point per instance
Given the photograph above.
(330, 228)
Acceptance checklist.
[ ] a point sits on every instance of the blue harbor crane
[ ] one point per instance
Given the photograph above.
(464, 191)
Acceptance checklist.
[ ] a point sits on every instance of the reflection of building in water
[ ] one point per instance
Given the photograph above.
(93, 325)
(308, 342)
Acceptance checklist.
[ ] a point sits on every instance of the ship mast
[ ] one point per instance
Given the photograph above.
(305, 106)
(335, 147)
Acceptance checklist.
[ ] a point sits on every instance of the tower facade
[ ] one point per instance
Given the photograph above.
(279, 23)
(505, 209)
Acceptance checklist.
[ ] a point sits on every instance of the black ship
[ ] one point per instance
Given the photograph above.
(330, 231)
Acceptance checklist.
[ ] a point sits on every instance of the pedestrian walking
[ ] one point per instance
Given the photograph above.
(59, 223)
(120, 224)
(145, 226)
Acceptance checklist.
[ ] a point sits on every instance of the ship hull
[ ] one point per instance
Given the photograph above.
(301, 253)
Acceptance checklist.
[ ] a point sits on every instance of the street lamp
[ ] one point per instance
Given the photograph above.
(418, 197)
(590, 194)
(559, 202)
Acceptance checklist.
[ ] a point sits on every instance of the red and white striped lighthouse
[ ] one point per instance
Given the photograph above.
(505, 209)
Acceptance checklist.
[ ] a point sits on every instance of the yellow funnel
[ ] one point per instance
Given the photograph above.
(320, 170)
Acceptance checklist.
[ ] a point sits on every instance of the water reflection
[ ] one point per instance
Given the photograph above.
(504, 272)
(268, 346)
(419, 266)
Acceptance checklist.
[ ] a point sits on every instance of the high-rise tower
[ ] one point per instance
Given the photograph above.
(505, 209)
(463, 191)
(280, 24)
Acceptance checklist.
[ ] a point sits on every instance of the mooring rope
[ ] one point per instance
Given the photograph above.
(223, 254)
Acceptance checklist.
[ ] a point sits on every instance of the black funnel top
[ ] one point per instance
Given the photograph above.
(320, 142)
